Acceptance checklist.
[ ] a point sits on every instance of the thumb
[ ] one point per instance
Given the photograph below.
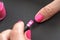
(48, 11)
(18, 31)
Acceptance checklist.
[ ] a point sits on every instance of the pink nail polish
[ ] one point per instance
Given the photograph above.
(2, 11)
(28, 34)
(39, 17)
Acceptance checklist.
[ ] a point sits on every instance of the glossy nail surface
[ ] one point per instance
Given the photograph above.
(2, 11)
(28, 34)
(39, 17)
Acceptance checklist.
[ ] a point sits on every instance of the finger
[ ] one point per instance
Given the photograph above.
(5, 35)
(18, 31)
(47, 11)
(28, 35)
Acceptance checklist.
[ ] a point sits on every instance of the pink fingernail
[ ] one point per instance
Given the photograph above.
(2, 11)
(39, 17)
(28, 34)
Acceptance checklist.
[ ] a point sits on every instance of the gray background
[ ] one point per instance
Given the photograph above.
(25, 10)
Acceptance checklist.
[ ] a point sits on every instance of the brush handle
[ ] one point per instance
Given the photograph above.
(26, 28)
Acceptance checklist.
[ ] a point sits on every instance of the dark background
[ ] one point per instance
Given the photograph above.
(25, 10)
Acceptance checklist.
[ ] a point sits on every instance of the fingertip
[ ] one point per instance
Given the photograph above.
(18, 24)
(47, 12)
(19, 27)
(39, 17)
(2, 11)
(17, 32)
(5, 34)
(28, 34)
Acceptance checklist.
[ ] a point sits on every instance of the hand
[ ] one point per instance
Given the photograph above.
(48, 11)
(17, 33)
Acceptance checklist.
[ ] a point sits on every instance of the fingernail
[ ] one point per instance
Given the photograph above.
(28, 34)
(39, 17)
(2, 11)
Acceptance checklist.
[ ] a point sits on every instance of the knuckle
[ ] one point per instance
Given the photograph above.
(48, 10)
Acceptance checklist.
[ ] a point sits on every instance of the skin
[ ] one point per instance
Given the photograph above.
(49, 10)
(17, 32)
